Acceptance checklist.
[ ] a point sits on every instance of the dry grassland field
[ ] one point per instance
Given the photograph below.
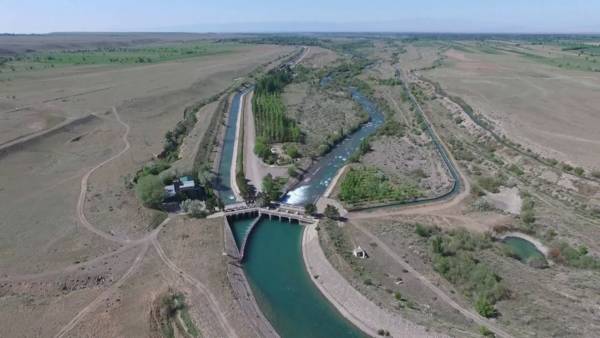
(57, 125)
(550, 109)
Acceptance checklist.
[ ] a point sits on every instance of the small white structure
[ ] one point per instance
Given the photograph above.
(170, 190)
(359, 252)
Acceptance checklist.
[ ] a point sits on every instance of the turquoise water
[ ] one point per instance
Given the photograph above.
(283, 288)
(240, 228)
(524, 249)
(320, 174)
(223, 185)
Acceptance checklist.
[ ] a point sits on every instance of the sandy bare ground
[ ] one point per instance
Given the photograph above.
(47, 97)
(551, 110)
(254, 168)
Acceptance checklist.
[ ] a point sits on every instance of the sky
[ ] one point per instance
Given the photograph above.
(457, 16)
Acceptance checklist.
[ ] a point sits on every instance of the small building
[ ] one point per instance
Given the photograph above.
(183, 188)
(359, 252)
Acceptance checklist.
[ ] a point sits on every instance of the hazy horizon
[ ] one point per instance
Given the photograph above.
(235, 16)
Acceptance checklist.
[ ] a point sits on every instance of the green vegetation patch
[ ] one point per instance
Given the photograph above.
(272, 125)
(368, 184)
(564, 253)
(99, 56)
(454, 256)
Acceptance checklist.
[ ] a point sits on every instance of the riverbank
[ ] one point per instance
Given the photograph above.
(348, 301)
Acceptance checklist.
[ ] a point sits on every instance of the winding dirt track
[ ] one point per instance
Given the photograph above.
(144, 242)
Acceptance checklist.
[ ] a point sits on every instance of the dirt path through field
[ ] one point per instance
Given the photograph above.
(84, 185)
(144, 242)
(104, 295)
(199, 286)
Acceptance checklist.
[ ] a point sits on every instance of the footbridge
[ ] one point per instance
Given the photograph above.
(282, 212)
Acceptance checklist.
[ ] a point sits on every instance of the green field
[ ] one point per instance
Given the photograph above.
(125, 56)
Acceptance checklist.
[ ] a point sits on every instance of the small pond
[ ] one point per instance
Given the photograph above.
(523, 249)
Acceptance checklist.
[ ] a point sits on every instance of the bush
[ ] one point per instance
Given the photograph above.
(194, 208)
(271, 188)
(596, 173)
(331, 212)
(486, 332)
(485, 308)
(528, 217)
(292, 171)
(150, 190)
(490, 184)
(516, 170)
(292, 151)
(423, 231)
(310, 209)
(481, 204)
(579, 171)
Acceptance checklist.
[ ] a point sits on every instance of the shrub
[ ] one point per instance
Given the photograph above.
(596, 173)
(490, 184)
(481, 204)
(150, 191)
(516, 170)
(292, 151)
(292, 171)
(391, 128)
(310, 208)
(528, 217)
(271, 188)
(331, 212)
(486, 332)
(485, 308)
(579, 171)
(423, 231)
(194, 208)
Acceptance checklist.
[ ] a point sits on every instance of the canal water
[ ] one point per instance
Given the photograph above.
(223, 185)
(273, 261)
(283, 289)
(524, 249)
